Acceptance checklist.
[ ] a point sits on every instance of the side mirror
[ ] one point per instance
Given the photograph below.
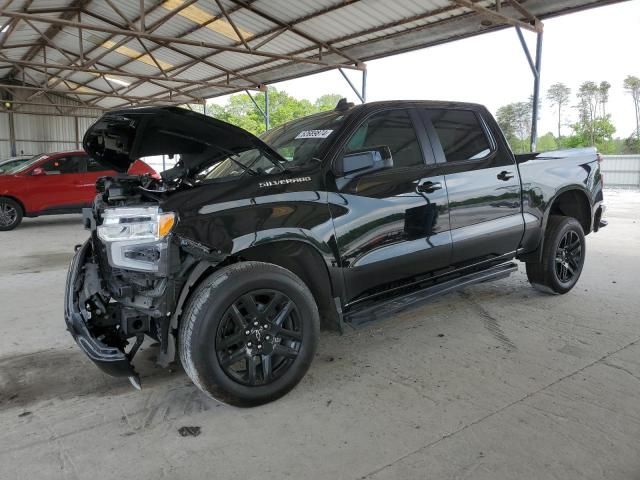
(364, 161)
(38, 171)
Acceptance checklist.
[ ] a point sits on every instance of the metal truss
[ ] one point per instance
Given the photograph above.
(41, 77)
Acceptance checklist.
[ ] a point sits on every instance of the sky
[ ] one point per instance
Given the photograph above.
(597, 44)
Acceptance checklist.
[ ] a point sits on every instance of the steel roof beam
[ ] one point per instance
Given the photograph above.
(293, 29)
(395, 23)
(180, 51)
(499, 16)
(233, 25)
(90, 94)
(181, 41)
(51, 32)
(388, 25)
(103, 54)
(121, 73)
(14, 23)
(113, 47)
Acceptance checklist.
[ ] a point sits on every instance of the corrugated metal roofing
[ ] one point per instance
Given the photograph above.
(283, 37)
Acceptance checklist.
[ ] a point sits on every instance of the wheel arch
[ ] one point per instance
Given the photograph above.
(571, 201)
(305, 261)
(295, 255)
(17, 200)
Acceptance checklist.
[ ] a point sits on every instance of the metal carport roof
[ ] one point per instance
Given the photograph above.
(112, 53)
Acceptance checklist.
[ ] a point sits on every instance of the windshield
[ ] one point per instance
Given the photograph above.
(297, 142)
(23, 165)
(251, 162)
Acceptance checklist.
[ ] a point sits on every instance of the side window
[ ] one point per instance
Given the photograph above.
(461, 134)
(393, 129)
(94, 166)
(63, 165)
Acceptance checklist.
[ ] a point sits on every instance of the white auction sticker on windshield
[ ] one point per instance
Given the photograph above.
(314, 134)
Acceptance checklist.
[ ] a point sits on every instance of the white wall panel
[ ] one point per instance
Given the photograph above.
(44, 134)
(5, 146)
(621, 171)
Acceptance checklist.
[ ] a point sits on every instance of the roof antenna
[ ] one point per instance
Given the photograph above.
(343, 105)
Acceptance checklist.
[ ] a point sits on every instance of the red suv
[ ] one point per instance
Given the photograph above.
(52, 184)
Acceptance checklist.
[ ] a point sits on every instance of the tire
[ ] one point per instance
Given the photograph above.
(219, 338)
(558, 272)
(10, 214)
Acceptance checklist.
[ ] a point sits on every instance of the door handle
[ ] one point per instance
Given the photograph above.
(504, 175)
(429, 187)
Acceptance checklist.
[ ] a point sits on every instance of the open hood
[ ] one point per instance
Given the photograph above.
(120, 137)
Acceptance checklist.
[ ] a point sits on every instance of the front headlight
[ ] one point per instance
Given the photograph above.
(135, 237)
(135, 223)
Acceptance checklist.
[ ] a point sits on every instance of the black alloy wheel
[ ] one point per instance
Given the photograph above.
(248, 333)
(259, 337)
(568, 256)
(563, 256)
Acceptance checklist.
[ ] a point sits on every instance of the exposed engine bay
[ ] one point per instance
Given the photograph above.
(132, 269)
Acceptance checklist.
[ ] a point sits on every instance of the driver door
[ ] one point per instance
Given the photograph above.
(391, 224)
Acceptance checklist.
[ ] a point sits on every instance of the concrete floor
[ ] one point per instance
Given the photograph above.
(496, 382)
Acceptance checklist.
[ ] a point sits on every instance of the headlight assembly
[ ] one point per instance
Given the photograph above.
(135, 223)
(135, 237)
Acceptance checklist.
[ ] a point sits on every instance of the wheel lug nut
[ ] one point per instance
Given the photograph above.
(268, 337)
(259, 346)
(255, 324)
(247, 332)
(265, 326)
(249, 344)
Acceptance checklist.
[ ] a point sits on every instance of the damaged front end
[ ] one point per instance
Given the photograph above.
(131, 278)
(124, 281)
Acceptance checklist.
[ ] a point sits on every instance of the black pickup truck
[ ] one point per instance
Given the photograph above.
(242, 251)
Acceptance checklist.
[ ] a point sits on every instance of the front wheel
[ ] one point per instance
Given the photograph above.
(249, 333)
(563, 256)
(10, 214)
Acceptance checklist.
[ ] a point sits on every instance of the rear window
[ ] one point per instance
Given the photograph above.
(461, 134)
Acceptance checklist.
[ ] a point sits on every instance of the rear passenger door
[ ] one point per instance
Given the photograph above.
(482, 183)
(391, 224)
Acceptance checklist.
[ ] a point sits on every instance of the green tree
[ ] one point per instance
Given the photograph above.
(547, 142)
(598, 133)
(327, 102)
(603, 95)
(632, 86)
(588, 101)
(558, 95)
(515, 121)
(241, 111)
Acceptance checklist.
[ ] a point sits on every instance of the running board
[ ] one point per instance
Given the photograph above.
(383, 309)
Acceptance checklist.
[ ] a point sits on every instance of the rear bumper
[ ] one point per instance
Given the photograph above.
(109, 359)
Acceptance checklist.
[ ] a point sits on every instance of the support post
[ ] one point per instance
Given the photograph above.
(77, 131)
(265, 112)
(12, 134)
(364, 85)
(266, 109)
(355, 90)
(536, 94)
(535, 70)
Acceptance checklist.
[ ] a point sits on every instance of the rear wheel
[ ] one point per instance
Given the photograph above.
(10, 214)
(562, 256)
(249, 333)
